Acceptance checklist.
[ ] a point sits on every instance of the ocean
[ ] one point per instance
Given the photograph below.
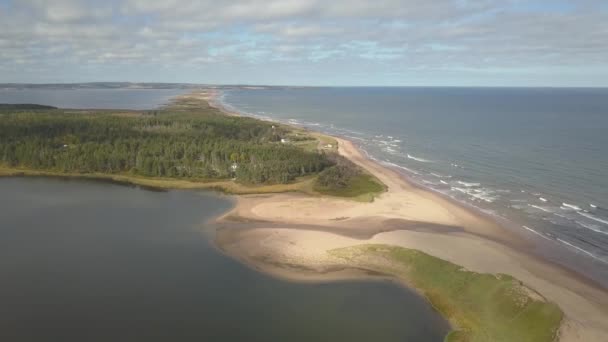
(535, 157)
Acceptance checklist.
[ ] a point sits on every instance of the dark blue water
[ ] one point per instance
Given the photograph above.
(92, 98)
(535, 156)
(88, 261)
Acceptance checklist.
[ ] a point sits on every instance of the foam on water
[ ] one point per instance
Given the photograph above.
(535, 232)
(591, 227)
(592, 217)
(540, 208)
(386, 162)
(422, 160)
(468, 185)
(567, 206)
(440, 176)
(581, 250)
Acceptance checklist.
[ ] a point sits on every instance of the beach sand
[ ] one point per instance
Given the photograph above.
(288, 235)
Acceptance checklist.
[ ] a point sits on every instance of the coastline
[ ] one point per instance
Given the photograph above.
(291, 235)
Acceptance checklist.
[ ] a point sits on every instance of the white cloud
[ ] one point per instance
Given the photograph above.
(458, 35)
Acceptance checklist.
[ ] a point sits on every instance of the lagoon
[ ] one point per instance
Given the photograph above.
(83, 260)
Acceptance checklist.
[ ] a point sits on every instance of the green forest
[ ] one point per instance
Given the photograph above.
(177, 142)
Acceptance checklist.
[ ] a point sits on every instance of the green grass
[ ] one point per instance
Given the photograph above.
(482, 307)
(363, 187)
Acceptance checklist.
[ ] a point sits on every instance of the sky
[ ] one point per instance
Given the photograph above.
(555, 43)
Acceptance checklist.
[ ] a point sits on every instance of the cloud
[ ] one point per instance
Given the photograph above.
(248, 40)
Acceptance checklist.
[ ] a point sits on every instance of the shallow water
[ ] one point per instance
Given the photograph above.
(92, 98)
(91, 261)
(535, 156)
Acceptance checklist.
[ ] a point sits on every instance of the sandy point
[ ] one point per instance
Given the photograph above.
(289, 235)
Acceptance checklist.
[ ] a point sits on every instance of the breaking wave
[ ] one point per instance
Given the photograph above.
(570, 206)
(468, 185)
(535, 232)
(400, 167)
(422, 160)
(591, 227)
(592, 217)
(582, 250)
(540, 208)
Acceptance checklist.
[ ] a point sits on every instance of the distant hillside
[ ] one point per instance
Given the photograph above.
(133, 85)
(24, 106)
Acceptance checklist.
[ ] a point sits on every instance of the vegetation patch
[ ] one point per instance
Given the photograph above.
(187, 144)
(482, 307)
(345, 179)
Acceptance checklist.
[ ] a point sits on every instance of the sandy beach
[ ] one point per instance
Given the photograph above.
(288, 235)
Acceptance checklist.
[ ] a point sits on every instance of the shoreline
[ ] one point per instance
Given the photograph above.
(292, 233)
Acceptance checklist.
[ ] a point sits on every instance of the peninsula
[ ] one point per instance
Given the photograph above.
(312, 208)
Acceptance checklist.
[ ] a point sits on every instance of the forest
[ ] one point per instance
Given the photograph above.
(198, 143)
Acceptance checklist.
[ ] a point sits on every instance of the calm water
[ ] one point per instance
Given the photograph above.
(535, 156)
(92, 98)
(86, 261)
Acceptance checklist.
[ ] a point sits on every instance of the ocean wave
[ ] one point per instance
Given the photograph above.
(542, 199)
(422, 160)
(582, 250)
(540, 208)
(468, 185)
(464, 191)
(476, 194)
(386, 162)
(591, 227)
(593, 205)
(592, 217)
(443, 182)
(440, 176)
(484, 197)
(390, 150)
(537, 233)
(567, 206)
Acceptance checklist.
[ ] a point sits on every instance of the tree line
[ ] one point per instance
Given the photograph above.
(202, 145)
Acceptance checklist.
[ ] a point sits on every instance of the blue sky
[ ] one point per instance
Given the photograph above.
(307, 42)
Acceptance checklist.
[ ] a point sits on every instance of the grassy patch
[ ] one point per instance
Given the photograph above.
(362, 187)
(483, 307)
